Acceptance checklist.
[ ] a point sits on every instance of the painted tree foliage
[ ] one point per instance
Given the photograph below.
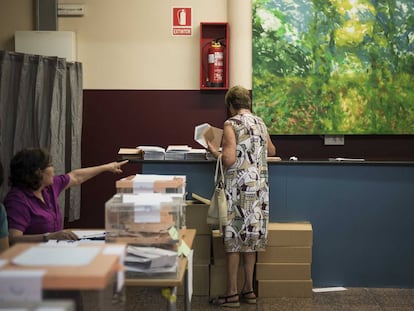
(334, 66)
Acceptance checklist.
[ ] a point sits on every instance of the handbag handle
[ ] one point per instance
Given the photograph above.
(219, 166)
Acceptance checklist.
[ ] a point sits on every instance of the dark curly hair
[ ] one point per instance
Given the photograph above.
(26, 167)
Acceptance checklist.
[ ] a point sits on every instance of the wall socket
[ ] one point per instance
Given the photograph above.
(334, 140)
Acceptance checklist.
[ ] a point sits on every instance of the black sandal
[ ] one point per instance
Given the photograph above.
(224, 301)
(247, 297)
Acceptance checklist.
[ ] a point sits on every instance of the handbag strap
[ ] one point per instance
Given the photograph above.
(219, 166)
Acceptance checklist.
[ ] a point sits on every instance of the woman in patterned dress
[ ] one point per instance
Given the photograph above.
(245, 147)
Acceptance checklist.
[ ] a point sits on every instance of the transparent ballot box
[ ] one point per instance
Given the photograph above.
(149, 224)
(153, 183)
(150, 183)
(145, 219)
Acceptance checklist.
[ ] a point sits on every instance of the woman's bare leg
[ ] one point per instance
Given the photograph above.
(233, 260)
(249, 260)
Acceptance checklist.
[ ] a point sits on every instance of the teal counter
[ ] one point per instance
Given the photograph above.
(362, 214)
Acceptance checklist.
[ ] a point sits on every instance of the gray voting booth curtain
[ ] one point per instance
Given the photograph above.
(41, 107)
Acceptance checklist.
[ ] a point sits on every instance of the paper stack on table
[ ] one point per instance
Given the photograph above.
(177, 152)
(148, 258)
(196, 154)
(153, 152)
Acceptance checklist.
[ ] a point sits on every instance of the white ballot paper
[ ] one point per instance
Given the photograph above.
(59, 256)
(205, 132)
(25, 285)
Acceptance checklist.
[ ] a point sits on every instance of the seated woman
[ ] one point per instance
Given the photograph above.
(32, 206)
(4, 232)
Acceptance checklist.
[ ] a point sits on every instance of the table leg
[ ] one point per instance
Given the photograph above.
(187, 298)
(172, 302)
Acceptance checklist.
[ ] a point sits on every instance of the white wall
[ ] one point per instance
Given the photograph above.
(14, 15)
(240, 18)
(127, 44)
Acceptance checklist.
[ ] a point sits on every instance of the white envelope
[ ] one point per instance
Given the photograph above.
(205, 132)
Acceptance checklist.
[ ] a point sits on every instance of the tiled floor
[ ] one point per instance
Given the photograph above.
(353, 299)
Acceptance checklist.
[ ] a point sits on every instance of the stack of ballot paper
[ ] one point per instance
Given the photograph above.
(196, 154)
(177, 152)
(210, 156)
(90, 234)
(153, 152)
(149, 259)
(204, 133)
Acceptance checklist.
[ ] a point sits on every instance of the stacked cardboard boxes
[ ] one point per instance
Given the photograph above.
(284, 269)
(209, 267)
(196, 215)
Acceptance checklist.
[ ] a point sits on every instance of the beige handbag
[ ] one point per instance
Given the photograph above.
(217, 212)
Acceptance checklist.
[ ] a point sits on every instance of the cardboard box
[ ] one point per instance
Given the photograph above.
(201, 280)
(290, 234)
(196, 217)
(218, 279)
(218, 255)
(283, 271)
(202, 249)
(285, 288)
(149, 183)
(285, 254)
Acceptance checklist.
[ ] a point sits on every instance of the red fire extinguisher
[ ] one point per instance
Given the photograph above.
(215, 57)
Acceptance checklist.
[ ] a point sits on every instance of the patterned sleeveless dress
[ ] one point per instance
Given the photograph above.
(247, 188)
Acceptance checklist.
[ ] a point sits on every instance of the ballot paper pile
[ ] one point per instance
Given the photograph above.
(152, 152)
(150, 260)
(196, 154)
(177, 152)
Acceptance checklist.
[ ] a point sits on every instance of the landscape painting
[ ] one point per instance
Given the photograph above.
(334, 66)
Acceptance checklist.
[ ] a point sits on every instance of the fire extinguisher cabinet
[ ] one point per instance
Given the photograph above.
(214, 56)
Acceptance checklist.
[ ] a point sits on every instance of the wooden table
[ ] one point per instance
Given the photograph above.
(99, 273)
(96, 277)
(182, 278)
